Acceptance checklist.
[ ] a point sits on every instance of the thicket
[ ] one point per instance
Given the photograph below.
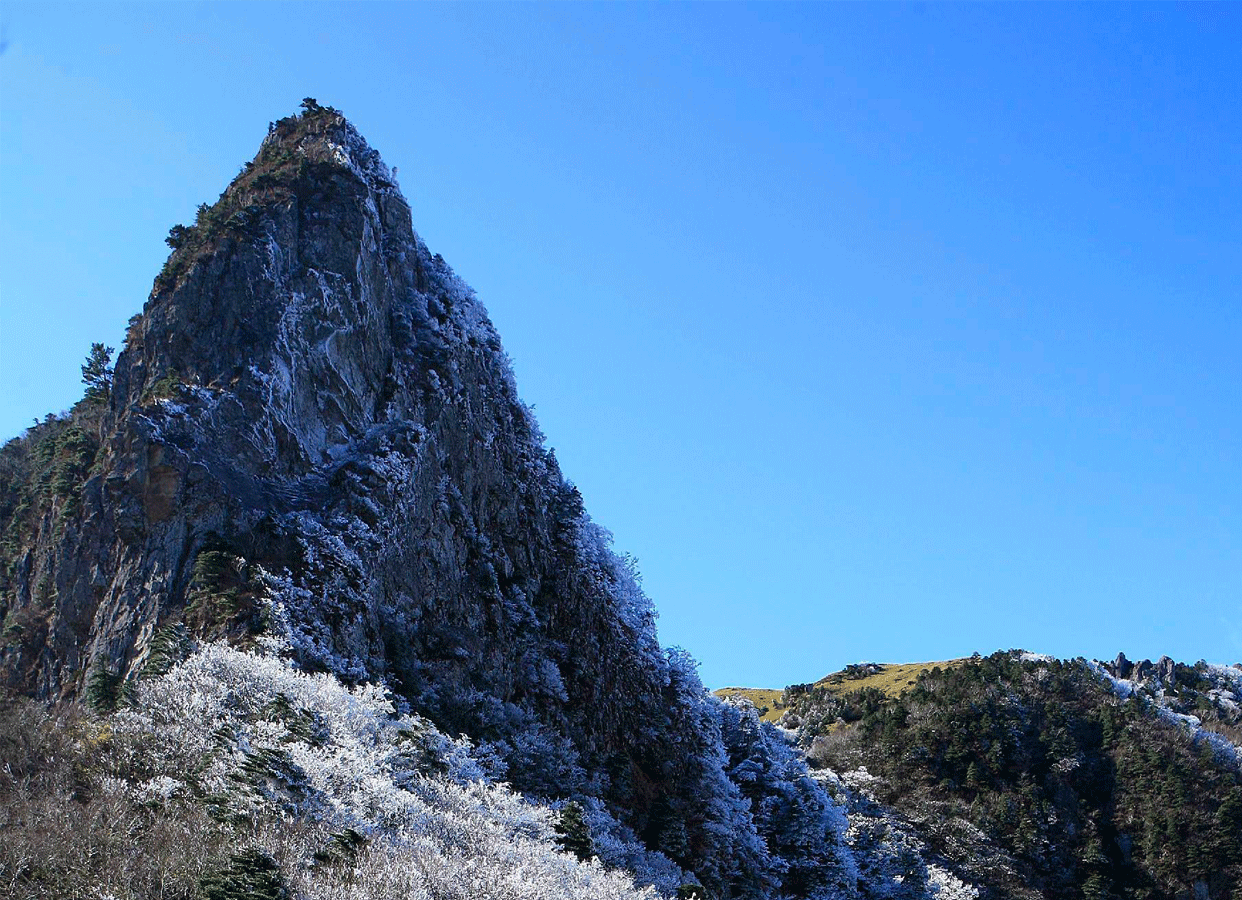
(233, 776)
(69, 834)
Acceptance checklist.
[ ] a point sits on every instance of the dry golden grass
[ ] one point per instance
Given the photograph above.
(892, 679)
(761, 697)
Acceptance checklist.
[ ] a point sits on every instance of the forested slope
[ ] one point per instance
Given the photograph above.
(1043, 777)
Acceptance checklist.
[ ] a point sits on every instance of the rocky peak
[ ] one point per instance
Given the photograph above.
(305, 293)
(300, 339)
(321, 135)
(314, 441)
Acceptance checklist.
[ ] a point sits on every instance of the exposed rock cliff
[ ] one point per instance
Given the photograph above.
(314, 435)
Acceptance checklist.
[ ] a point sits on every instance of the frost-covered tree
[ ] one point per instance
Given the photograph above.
(801, 826)
(301, 760)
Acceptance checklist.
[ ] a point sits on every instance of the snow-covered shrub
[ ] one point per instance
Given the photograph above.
(251, 736)
(802, 827)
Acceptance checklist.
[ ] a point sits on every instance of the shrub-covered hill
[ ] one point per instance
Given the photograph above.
(1036, 777)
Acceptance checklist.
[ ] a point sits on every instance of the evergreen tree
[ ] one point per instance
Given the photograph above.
(1227, 829)
(252, 875)
(177, 236)
(972, 776)
(103, 689)
(97, 375)
(573, 836)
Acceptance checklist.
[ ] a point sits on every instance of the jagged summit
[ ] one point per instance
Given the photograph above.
(313, 224)
(314, 444)
(299, 336)
(323, 135)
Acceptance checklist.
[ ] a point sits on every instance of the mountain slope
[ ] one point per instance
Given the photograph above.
(888, 678)
(1035, 777)
(312, 443)
(345, 630)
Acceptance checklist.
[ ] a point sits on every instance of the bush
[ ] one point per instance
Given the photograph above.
(165, 387)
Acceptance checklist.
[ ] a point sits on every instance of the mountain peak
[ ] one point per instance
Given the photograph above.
(305, 277)
(316, 158)
(321, 134)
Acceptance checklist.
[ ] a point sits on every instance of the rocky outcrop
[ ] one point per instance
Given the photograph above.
(314, 437)
(1163, 670)
(312, 391)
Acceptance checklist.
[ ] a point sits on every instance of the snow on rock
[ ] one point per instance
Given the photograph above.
(1027, 656)
(1162, 699)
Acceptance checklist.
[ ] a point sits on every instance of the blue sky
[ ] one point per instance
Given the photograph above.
(874, 332)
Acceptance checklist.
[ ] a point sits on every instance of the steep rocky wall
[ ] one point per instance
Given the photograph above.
(310, 389)
(314, 435)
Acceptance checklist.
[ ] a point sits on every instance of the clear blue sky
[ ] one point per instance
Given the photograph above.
(874, 332)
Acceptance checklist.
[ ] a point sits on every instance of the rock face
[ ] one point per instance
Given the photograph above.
(1164, 670)
(314, 434)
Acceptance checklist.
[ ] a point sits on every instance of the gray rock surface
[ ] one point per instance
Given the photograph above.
(314, 433)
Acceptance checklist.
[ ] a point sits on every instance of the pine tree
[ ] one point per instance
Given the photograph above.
(1227, 829)
(97, 375)
(169, 646)
(572, 832)
(972, 776)
(103, 689)
(177, 236)
(252, 875)
(1096, 887)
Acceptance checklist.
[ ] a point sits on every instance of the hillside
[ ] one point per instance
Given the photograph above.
(889, 678)
(1036, 777)
(767, 702)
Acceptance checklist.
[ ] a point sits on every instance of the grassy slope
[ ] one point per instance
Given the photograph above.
(892, 679)
(761, 697)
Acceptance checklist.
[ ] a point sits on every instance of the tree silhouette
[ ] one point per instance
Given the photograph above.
(97, 375)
